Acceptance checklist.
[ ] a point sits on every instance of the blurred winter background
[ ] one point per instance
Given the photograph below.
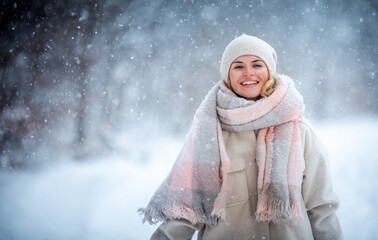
(96, 98)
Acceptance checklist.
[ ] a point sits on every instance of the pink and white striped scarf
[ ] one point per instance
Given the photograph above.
(195, 189)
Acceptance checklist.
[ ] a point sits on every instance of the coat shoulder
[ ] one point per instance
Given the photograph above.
(305, 124)
(310, 139)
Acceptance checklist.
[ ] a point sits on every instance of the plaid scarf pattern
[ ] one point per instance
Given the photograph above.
(195, 188)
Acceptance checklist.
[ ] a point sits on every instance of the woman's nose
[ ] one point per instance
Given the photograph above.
(249, 71)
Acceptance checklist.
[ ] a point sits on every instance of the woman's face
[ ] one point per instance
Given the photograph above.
(248, 74)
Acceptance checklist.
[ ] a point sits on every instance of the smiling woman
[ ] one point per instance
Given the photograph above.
(251, 165)
(247, 76)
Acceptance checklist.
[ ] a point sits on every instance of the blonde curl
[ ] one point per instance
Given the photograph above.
(269, 86)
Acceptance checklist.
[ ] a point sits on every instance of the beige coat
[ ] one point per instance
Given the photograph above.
(319, 203)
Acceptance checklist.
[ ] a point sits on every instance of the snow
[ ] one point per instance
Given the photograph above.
(98, 199)
(352, 147)
(89, 200)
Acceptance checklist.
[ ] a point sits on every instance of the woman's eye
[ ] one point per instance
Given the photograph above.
(257, 66)
(238, 67)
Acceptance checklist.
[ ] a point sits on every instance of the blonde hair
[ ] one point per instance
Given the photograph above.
(268, 87)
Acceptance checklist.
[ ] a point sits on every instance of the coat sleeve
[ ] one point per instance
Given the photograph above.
(320, 200)
(175, 229)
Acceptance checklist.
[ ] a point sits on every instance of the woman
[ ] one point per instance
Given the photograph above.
(251, 166)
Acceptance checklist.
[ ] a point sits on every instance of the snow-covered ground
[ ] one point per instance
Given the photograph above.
(98, 199)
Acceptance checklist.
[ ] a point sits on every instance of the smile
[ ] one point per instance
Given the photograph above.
(249, 83)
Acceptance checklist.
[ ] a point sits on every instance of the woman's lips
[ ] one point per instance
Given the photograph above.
(247, 83)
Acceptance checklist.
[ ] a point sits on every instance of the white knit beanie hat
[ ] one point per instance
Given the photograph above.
(247, 45)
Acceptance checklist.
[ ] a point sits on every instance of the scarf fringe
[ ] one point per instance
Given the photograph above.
(275, 209)
(219, 213)
(296, 211)
(194, 216)
(152, 216)
(280, 212)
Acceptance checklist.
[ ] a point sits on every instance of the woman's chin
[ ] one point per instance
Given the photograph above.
(249, 96)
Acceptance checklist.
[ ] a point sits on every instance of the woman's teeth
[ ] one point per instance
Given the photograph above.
(249, 83)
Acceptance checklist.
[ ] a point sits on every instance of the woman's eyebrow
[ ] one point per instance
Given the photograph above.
(257, 60)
